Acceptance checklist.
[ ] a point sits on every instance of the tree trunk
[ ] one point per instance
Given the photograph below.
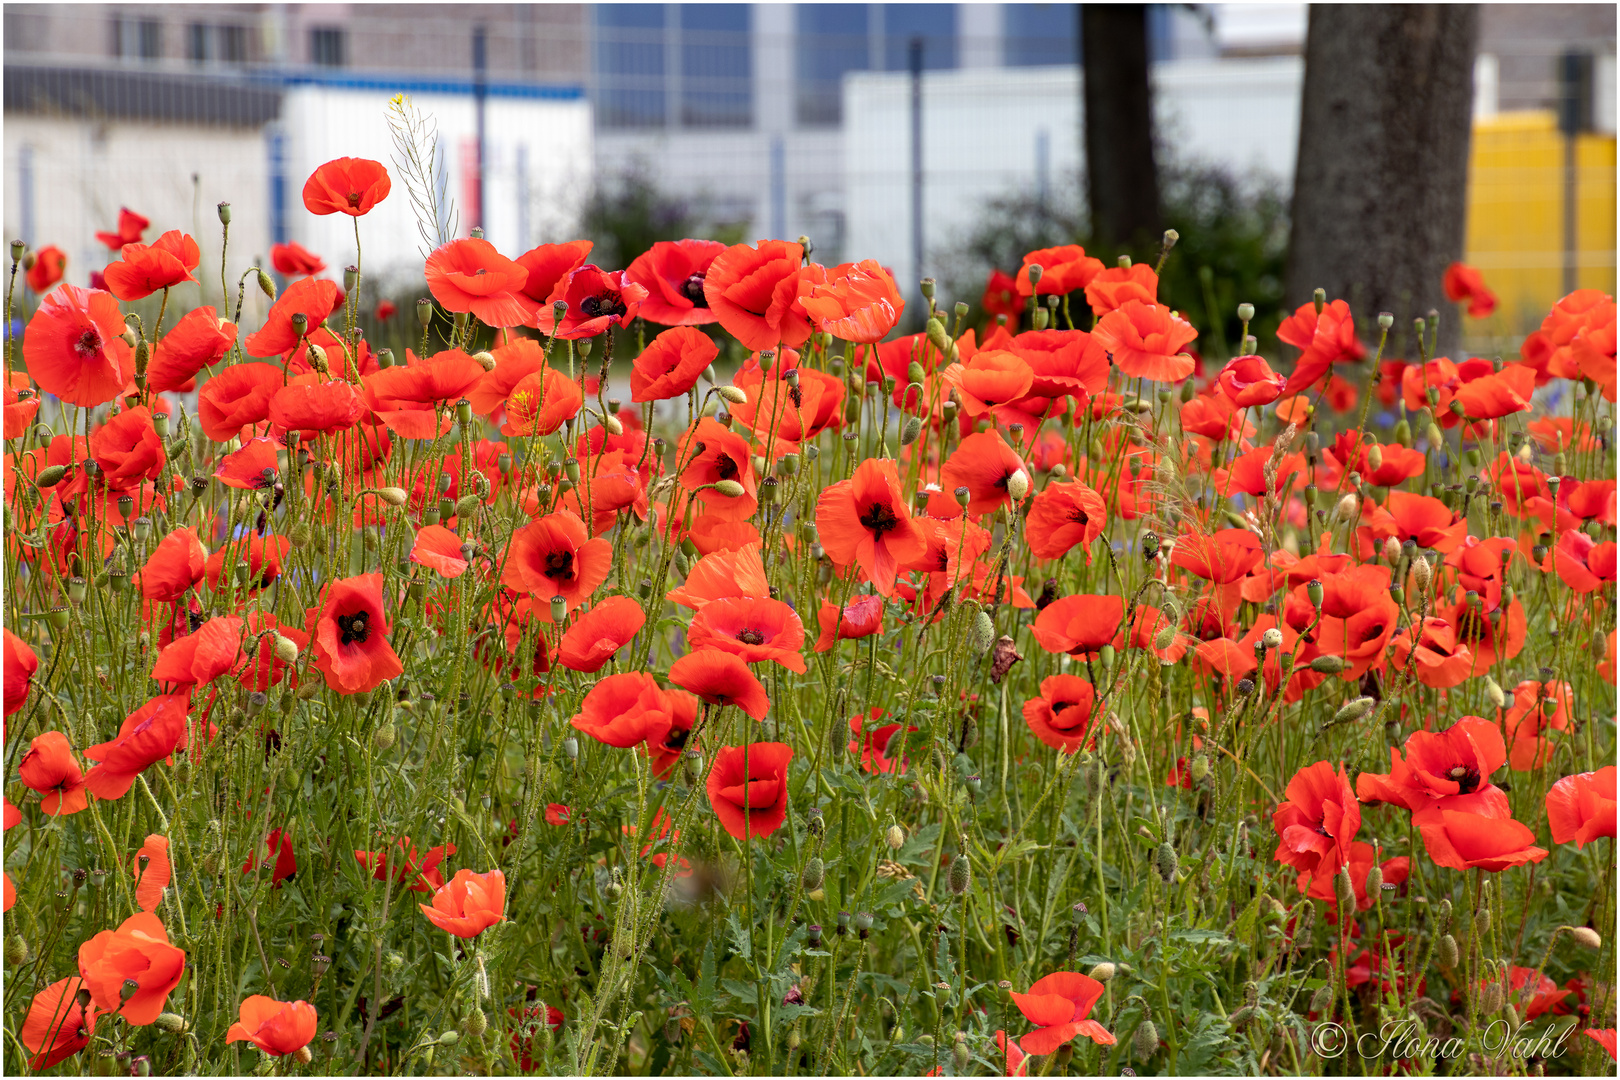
(1380, 191)
(1122, 179)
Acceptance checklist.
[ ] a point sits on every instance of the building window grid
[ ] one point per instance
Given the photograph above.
(326, 46)
(834, 39)
(659, 66)
(137, 39)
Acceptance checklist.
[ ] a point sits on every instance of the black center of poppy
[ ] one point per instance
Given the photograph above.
(607, 303)
(356, 627)
(1059, 706)
(1466, 778)
(879, 518)
(559, 565)
(676, 739)
(89, 343)
(354, 198)
(1001, 482)
(751, 637)
(1077, 515)
(692, 289)
(724, 466)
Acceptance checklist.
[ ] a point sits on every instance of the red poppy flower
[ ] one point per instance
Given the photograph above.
(1001, 296)
(1146, 341)
(1495, 394)
(153, 872)
(1463, 841)
(128, 449)
(514, 361)
(738, 572)
(471, 276)
(57, 1025)
(317, 407)
(748, 788)
(1582, 807)
(350, 631)
(1220, 557)
(861, 617)
(200, 339)
(754, 292)
(991, 380)
(1061, 716)
(346, 186)
(1248, 381)
(541, 403)
(439, 549)
(313, 298)
(1079, 625)
(625, 709)
(857, 302)
(1317, 823)
(145, 269)
(672, 272)
(1060, 1008)
(985, 465)
(130, 228)
(48, 768)
(401, 863)
(721, 679)
(873, 743)
(469, 904)
(1449, 769)
(665, 752)
(1063, 362)
(446, 376)
(866, 520)
(1362, 858)
(1593, 354)
(175, 565)
(754, 628)
(1438, 660)
(600, 633)
(1604, 1037)
(552, 556)
(22, 404)
(201, 657)
(278, 1028)
(138, 951)
(596, 301)
(670, 364)
(550, 263)
(783, 411)
(74, 347)
(712, 454)
(295, 259)
(1117, 284)
(236, 398)
(1062, 516)
(49, 262)
(1583, 564)
(20, 665)
(1465, 283)
(1063, 270)
(1327, 339)
(255, 467)
(149, 734)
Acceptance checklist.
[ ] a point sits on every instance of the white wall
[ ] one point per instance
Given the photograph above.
(981, 130)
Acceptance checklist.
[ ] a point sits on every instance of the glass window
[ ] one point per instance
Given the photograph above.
(934, 23)
(326, 46)
(717, 68)
(198, 35)
(1041, 35)
(832, 39)
(233, 44)
(630, 68)
(151, 39)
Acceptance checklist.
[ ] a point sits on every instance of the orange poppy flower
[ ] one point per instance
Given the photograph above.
(713, 453)
(139, 952)
(147, 735)
(748, 788)
(1063, 270)
(471, 276)
(48, 768)
(20, 665)
(866, 520)
(401, 863)
(541, 403)
(595, 300)
(57, 1025)
(1464, 283)
(1460, 840)
(856, 302)
(128, 449)
(1079, 625)
(721, 679)
(278, 1028)
(1492, 631)
(665, 752)
(1358, 616)
(735, 572)
(315, 406)
(1060, 1008)
(515, 360)
(953, 545)
(200, 339)
(1061, 716)
(49, 262)
(754, 292)
(861, 617)
(1593, 353)
(1583, 564)
(346, 186)
(201, 657)
(1248, 381)
(785, 409)
(1115, 285)
(1450, 769)
(1220, 557)
(752, 627)
(600, 633)
(1326, 339)
(1436, 657)
(74, 347)
(991, 380)
(145, 269)
(1581, 808)
(550, 263)
(236, 398)
(625, 709)
(437, 548)
(552, 556)
(350, 632)
(1317, 823)
(313, 298)
(152, 871)
(985, 465)
(130, 228)
(1146, 341)
(673, 272)
(670, 364)
(874, 743)
(444, 377)
(1063, 362)
(1062, 516)
(1001, 296)
(175, 565)
(295, 259)
(1494, 394)
(469, 904)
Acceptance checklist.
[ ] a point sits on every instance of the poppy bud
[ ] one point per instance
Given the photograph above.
(1327, 665)
(734, 395)
(961, 878)
(1272, 638)
(613, 424)
(1493, 693)
(1490, 998)
(984, 632)
(1375, 881)
(814, 873)
(1166, 862)
(51, 475)
(1018, 485)
(1145, 1043)
(173, 1023)
(960, 1053)
(1585, 935)
(1435, 438)
(1482, 921)
(895, 837)
(1102, 972)
(1422, 575)
(937, 337)
(1322, 1000)
(1346, 508)
(910, 430)
(729, 488)
(1319, 300)
(16, 950)
(267, 285)
(1353, 710)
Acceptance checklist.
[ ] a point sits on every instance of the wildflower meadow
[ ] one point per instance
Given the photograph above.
(677, 670)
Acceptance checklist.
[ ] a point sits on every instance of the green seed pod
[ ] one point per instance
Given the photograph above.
(1482, 921)
(692, 767)
(51, 476)
(1199, 769)
(960, 1054)
(449, 1038)
(17, 951)
(814, 873)
(1145, 1042)
(267, 285)
(385, 736)
(1327, 665)
(1354, 710)
(1448, 953)
(173, 1023)
(961, 875)
(1166, 862)
(475, 1023)
(983, 634)
(910, 430)
(1343, 890)
(1313, 590)
(1322, 1000)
